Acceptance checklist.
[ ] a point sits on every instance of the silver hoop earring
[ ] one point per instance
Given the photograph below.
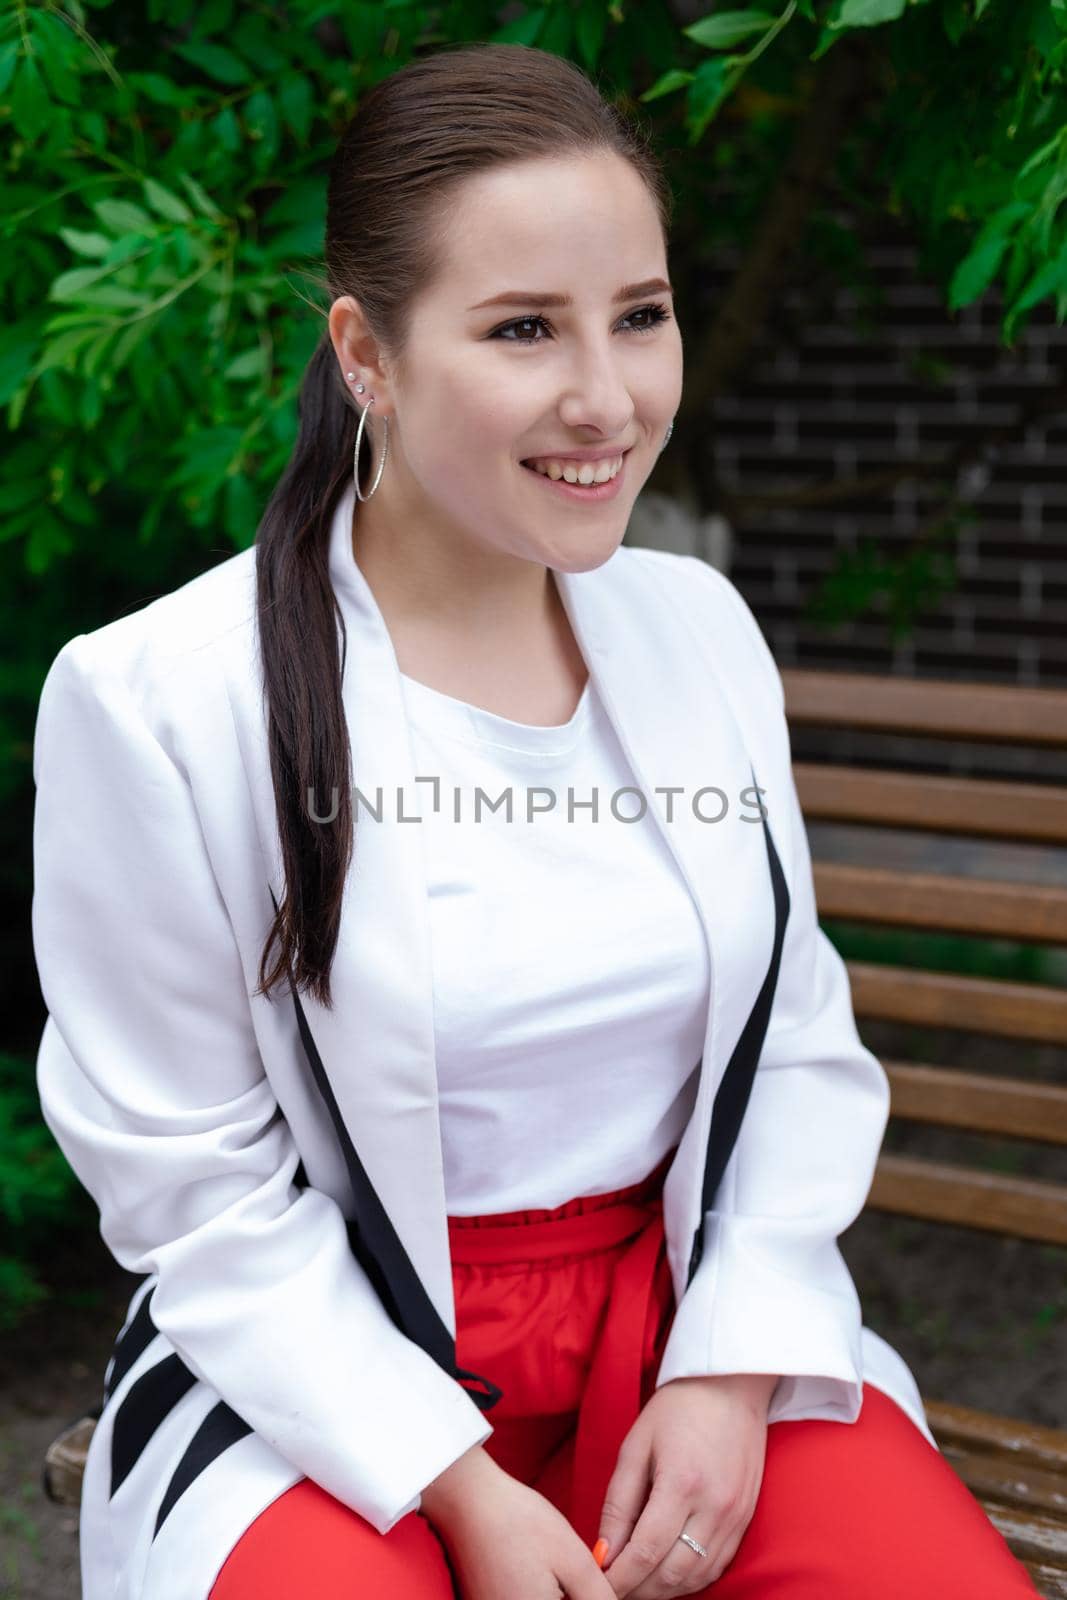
(667, 435)
(355, 453)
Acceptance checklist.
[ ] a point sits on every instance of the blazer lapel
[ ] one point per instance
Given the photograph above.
(668, 699)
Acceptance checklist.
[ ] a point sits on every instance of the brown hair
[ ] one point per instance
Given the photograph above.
(414, 138)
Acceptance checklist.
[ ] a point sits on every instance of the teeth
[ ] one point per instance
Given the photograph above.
(585, 472)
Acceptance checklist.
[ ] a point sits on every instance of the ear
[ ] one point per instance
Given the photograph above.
(357, 351)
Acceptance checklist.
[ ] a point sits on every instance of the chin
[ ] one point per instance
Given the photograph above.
(584, 560)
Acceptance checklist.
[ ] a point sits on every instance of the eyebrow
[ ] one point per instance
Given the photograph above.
(523, 297)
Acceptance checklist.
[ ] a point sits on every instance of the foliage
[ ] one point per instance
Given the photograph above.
(38, 1191)
(164, 200)
(165, 171)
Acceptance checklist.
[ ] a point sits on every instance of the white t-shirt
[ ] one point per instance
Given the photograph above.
(570, 967)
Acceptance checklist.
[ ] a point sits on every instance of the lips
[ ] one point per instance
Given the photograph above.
(578, 493)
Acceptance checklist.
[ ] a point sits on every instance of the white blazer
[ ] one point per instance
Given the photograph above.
(296, 1315)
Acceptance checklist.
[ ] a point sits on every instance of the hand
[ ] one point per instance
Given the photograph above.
(504, 1540)
(701, 1442)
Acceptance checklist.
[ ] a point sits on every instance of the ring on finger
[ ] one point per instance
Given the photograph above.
(693, 1544)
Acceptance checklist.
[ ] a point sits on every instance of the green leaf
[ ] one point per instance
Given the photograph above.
(1041, 155)
(112, 297)
(14, 496)
(1005, 219)
(523, 30)
(9, 54)
(69, 285)
(590, 26)
(241, 510)
(557, 33)
(163, 91)
(1047, 280)
(122, 216)
(165, 202)
(227, 130)
(727, 28)
(667, 83)
(303, 239)
(976, 271)
(85, 244)
(261, 123)
(297, 104)
(710, 87)
(868, 13)
(93, 128)
(128, 340)
(57, 49)
(213, 16)
(828, 37)
(215, 60)
(249, 364)
(257, 38)
(200, 198)
(48, 539)
(31, 109)
(17, 351)
(94, 354)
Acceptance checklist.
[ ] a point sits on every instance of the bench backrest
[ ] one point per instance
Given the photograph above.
(932, 805)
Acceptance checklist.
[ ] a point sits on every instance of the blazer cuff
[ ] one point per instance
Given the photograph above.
(748, 1310)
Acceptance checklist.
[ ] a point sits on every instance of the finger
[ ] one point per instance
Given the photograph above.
(624, 1501)
(666, 1512)
(720, 1558)
(683, 1570)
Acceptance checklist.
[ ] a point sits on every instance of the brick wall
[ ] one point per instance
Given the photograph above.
(839, 388)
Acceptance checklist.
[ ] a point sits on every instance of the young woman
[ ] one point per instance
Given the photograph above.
(438, 1012)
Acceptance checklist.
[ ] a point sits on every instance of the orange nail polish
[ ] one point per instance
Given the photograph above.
(600, 1550)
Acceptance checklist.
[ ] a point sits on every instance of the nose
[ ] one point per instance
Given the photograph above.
(598, 395)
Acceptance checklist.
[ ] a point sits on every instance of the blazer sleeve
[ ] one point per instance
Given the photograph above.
(772, 1292)
(152, 1083)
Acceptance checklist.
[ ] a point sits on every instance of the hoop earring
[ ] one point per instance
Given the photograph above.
(359, 439)
(666, 442)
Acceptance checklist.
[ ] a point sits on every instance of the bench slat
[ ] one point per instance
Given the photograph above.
(1028, 1208)
(1027, 1442)
(1011, 1483)
(973, 806)
(1031, 1011)
(988, 906)
(1051, 1582)
(978, 1102)
(997, 713)
(1032, 1538)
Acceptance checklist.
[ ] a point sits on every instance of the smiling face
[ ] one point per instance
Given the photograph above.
(483, 388)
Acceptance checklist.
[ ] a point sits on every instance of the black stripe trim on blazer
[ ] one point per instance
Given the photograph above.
(379, 1249)
(732, 1095)
(148, 1402)
(131, 1344)
(219, 1429)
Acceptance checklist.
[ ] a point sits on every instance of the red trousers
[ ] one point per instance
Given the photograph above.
(568, 1310)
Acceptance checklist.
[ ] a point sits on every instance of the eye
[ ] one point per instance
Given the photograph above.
(656, 314)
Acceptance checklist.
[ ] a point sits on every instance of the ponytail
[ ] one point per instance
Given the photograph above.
(298, 619)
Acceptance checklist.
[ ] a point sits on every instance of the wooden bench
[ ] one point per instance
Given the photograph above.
(1017, 1470)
